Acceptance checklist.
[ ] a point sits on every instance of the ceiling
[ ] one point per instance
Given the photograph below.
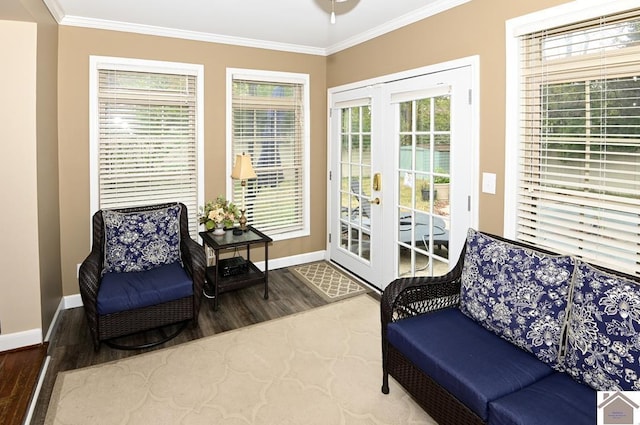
(290, 25)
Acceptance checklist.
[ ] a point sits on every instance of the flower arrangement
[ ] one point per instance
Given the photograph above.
(218, 212)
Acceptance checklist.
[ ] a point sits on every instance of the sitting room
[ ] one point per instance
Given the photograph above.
(327, 181)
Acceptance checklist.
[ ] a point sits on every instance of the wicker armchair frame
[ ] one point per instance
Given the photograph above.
(107, 327)
(413, 296)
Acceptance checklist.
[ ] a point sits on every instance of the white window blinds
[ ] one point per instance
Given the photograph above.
(268, 124)
(147, 139)
(579, 156)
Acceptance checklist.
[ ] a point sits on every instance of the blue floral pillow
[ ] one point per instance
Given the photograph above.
(140, 241)
(517, 293)
(603, 336)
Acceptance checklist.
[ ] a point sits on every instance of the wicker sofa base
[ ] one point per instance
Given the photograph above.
(155, 316)
(440, 404)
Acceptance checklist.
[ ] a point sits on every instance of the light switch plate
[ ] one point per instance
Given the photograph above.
(489, 183)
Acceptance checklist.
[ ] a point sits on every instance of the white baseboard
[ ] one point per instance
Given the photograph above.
(72, 301)
(20, 339)
(47, 337)
(294, 260)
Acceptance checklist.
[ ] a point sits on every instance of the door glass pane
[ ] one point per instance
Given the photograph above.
(423, 116)
(406, 120)
(442, 112)
(407, 184)
(423, 152)
(423, 195)
(355, 148)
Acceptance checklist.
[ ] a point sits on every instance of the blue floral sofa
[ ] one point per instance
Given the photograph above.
(512, 335)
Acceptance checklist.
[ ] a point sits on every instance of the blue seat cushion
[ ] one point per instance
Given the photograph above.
(471, 362)
(554, 400)
(128, 291)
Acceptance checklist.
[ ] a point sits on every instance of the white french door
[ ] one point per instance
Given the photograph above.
(402, 175)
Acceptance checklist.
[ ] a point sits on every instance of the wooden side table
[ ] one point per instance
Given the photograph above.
(253, 275)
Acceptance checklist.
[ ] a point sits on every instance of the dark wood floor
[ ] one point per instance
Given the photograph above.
(19, 371)
(71, 347)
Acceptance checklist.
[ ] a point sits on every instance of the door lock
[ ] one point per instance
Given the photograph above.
(375, 201)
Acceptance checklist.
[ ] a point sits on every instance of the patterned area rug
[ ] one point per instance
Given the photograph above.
(327, 281)
(319, 367)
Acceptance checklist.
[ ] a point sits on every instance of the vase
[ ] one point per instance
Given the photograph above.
(219, 230)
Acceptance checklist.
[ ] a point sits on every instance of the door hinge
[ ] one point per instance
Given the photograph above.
(329, 237)
(329, 175)
(470, 96)
(469, 203)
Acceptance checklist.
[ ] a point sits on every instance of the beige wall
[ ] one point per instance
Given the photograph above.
(75, 47)
(475, 28)
(31, 288)
(19, 259)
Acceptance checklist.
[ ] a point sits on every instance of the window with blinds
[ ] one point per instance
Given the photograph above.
(269, 124)
(579, 148)
(146, 136)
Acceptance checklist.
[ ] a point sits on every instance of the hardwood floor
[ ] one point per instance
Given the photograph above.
(71, 347)
(19, 370)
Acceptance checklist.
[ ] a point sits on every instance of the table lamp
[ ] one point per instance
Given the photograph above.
(243, 171)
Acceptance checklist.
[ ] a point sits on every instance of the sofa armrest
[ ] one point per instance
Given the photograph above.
(412, 296)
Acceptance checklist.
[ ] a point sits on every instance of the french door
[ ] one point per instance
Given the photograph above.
(402, 172)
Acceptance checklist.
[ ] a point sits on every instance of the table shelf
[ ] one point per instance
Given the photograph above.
(229, 283)
(252, 276)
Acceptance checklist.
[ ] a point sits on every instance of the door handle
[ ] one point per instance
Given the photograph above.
(375, 201)
(377, 182)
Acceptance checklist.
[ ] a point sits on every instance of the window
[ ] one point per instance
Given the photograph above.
(146, 137)
(577, 176)
(269, 122)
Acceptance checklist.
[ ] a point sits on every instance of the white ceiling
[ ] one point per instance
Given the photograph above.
(291, 25)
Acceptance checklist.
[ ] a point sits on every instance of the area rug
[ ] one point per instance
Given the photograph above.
(327, 281)
(319, 367)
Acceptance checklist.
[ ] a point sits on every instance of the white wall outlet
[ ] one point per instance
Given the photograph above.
(489, 183)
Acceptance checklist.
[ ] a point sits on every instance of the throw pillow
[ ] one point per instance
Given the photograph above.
(140, 241)
(603, 341)
(519, 294)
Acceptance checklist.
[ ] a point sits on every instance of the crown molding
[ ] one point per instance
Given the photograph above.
(55, 9)
(77, 21)
(402, 21)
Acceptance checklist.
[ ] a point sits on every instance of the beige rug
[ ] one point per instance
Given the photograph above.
(274, 373)
(327, 281)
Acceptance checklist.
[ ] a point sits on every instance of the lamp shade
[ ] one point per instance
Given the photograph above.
(243, 170)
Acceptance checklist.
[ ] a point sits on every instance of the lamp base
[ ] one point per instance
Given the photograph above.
(243, 221)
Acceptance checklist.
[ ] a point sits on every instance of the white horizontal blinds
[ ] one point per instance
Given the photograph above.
(268, 125)
(579, 188)
(147, 147)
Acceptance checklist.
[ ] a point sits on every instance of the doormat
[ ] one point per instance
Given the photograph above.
(327, 281)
